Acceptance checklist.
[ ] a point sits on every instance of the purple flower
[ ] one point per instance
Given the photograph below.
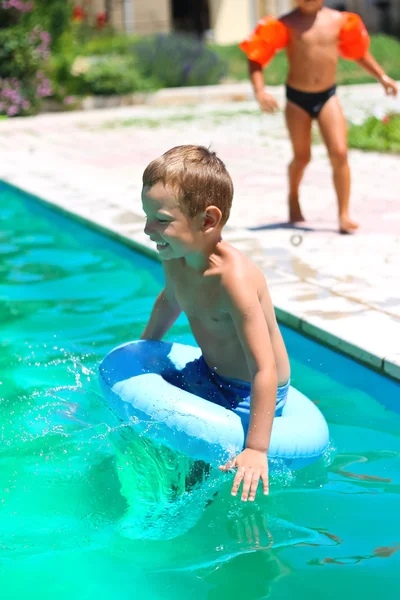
(43, 88)
(17, 5)
(45, 37)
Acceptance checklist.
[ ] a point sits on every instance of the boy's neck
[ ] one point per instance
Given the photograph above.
(307, 13)
(200, 261)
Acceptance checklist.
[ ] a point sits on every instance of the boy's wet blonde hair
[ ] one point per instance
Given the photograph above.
(198, 177)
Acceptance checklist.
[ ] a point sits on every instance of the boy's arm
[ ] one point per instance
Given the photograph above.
(165, 312)
(266, 101)
(369, 64)
(252, 330)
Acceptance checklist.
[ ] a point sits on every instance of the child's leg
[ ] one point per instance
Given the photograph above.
(333, 127)
(298, 122)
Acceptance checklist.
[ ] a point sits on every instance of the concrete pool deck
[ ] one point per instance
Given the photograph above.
(341, 290)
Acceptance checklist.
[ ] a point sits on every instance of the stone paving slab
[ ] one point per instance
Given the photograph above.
(342, 290)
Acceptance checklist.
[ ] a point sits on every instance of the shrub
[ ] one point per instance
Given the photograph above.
(380, 135)
(24, 51)
(178, 60)
(22, 80)
(101, 76)
(111, 75)
(103, 43)
(54, 16)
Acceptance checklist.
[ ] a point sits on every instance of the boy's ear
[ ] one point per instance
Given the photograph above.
(211, 217)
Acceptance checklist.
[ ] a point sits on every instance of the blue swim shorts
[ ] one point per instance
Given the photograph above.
(198, 379)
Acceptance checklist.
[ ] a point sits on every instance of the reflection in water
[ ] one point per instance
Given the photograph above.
(381, 552)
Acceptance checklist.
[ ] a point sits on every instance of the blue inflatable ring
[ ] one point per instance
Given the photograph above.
(133, 386)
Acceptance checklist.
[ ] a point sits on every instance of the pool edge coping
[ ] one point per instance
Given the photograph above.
(389, 365)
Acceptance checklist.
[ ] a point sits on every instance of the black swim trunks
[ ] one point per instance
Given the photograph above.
(311, 102)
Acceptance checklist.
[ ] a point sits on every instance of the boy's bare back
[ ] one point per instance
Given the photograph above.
(313, 48)
(205, 299)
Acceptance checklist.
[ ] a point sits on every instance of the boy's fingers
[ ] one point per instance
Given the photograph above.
(264, 477)
(254, 486)
(228, 466)
(248, 477)
(237, 481)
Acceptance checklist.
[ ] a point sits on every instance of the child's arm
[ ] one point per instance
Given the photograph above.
(252, 329)
(354, 43)
(371, 66)
(165, 312)
(269, 36)
(266, 102)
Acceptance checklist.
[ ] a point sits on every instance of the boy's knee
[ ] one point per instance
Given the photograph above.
(301, 160)
(338, 156)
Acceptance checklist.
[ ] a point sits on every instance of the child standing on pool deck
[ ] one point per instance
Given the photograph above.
(314, 36)
(187, 197)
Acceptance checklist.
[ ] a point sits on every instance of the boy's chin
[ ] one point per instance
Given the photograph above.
(311, 6)
(168, 253)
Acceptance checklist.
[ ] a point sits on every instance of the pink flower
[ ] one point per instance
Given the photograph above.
(43, 88)
(17, 5)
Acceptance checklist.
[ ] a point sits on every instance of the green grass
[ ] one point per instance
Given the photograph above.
(376, 135)
(215, 118)
(109, 43)
(385, 49)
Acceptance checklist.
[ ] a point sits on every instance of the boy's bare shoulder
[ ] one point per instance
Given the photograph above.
(238, 270)
(335, 15)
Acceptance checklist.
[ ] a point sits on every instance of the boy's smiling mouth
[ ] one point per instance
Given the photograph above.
(162, 245)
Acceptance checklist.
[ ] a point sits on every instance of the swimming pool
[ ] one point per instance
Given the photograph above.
(74, 505)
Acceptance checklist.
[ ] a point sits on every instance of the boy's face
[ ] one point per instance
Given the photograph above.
(309, 6)
(176, 236)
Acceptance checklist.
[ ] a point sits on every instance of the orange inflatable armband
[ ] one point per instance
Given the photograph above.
(269, 36)
(353, 38)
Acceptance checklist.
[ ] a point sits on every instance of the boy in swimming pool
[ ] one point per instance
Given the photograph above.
(187, 197)
(314, 36)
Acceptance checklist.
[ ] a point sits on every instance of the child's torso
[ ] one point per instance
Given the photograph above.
(313, 49)
(202, 300)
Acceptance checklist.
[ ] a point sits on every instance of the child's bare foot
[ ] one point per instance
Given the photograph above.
(295, 214)
(347, 226)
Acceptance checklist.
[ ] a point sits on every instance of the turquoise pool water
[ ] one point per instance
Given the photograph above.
(84, 517)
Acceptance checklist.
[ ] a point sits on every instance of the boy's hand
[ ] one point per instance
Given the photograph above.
(267, 102)
(251, 466)
(389, 85)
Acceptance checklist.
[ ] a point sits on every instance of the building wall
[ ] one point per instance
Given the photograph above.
(231, 20)
(152, 16)
(134, 16)
(94, 7)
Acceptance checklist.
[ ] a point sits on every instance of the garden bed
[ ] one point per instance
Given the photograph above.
(376, 135)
